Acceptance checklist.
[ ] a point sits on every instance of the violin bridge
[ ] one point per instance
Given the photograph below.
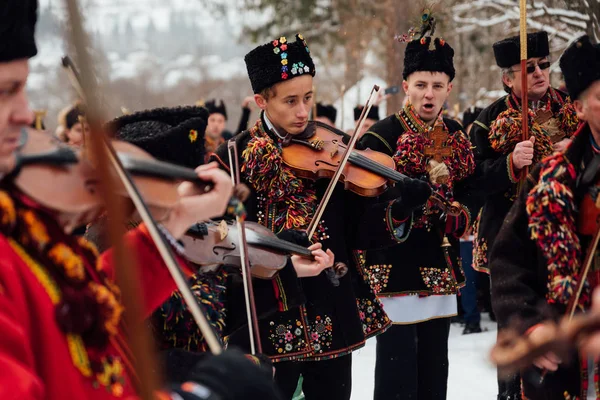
(334, 151)
(223, 229)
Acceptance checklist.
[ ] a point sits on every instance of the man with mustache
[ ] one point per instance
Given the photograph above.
(500, 153)
(316, 340)
(417, 280)
(537, 259)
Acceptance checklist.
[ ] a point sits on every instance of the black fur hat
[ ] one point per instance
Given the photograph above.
(508, 51)
(278, 61)
(470, 115)
(17, 28)
(419, 57)
(213, 108)
(580, 65)
(326, 110)
(73, 115)
(373, 113)
(174, 135)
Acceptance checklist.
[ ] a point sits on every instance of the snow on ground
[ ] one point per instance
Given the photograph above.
(471, 375)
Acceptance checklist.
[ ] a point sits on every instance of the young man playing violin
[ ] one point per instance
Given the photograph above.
(537, 262)
(176, 135)
(317, 339)
(419, 278)
(60, 313)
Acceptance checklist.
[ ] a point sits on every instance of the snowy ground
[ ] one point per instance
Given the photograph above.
(471, 377)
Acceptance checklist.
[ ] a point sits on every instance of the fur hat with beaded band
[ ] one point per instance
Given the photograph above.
(174, 135)
(278, 61)
(420, 56)
(17, 28)
(508, 51)
(580, 65)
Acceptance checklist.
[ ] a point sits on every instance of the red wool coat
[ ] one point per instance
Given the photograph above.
(35, 359)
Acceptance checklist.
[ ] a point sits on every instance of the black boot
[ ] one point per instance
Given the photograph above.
(472, 327)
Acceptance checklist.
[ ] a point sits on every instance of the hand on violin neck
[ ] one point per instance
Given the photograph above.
(321, 260)
(195, 206)
(412, 194)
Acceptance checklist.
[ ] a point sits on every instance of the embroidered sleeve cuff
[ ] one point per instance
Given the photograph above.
(398, 229)
(514, 178)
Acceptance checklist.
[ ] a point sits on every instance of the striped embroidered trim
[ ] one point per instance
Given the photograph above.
(280, 294)
(40, 273)
(481, 125)
(385, 143)
(510, 169)
(399, 232)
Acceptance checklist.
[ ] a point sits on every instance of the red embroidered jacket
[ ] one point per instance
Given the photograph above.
(35, 359)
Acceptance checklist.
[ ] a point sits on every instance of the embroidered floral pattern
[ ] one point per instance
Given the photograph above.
(438, 281)
(287, 337)
(480, 251)
(371, 315)
(320, 333)
(378, 276)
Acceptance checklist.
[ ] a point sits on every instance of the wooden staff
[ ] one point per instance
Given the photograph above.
(524, 105)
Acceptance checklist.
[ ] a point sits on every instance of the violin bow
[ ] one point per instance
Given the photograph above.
(253, 329)
(312, 227)
(107, 157)
(343, 101)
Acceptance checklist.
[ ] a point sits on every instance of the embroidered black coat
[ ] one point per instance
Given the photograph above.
(414, 266)
(496, 184)
(335, 320)
(520, 273)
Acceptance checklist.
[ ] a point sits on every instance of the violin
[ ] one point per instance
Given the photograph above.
(318, 151)
(513, 352)
(214, 243)
(45, 164)
(448, 207)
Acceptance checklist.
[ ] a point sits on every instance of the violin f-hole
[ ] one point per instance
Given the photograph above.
(232, 247)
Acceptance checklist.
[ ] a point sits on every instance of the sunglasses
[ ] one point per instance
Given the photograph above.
(531, 68)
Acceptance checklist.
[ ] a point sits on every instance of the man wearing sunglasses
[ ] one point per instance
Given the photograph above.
(501, 155)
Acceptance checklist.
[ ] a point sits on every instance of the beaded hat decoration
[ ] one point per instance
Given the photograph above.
(278, 61)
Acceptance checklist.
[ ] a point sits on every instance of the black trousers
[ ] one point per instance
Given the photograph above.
(412, 361)
(322, 380)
